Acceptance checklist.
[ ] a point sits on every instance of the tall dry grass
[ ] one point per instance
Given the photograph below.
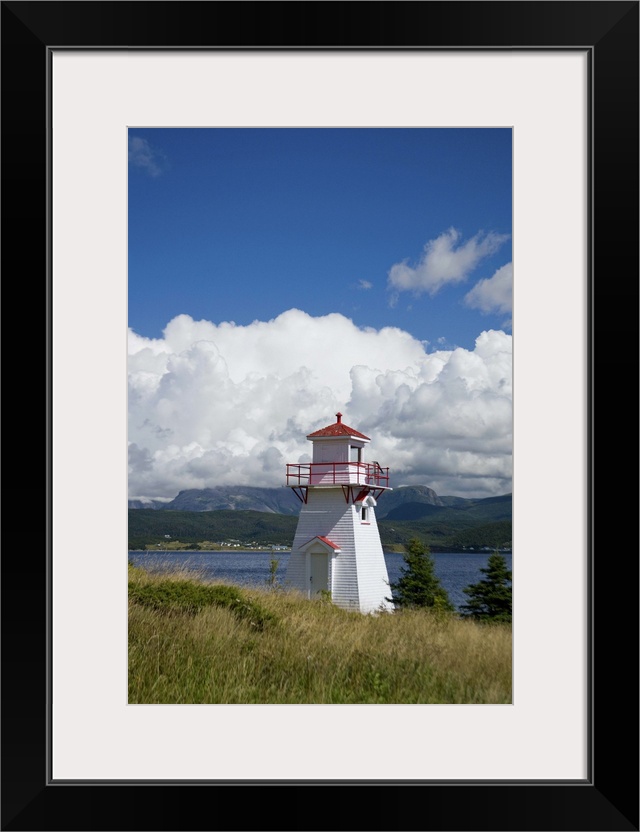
(274, 647)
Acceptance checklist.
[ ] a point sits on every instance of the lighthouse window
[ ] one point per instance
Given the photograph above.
(364, 516)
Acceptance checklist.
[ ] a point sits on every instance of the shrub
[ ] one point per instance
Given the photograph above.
(189, 598)
(419, 586)
(272, 580)
(491, 598)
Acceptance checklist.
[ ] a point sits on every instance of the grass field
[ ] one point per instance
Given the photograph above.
(193, 642)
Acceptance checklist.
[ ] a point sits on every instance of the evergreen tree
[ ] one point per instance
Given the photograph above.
(419, 586)
(490, 599)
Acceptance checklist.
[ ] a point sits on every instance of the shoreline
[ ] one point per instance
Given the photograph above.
(433, 549)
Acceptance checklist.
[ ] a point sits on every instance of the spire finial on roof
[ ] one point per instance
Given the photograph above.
(339, 417)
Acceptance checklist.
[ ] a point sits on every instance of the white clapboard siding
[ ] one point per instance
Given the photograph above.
(373, 580)
(358, 577)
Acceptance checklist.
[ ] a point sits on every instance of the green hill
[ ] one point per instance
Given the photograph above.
(472, 512)
(444, 529)
(441, 535)
(149, 527)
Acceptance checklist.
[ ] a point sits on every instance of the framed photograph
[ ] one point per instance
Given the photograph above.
(563, 78)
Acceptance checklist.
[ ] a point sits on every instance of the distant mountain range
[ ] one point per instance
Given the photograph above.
(414, 505)
(228, 498)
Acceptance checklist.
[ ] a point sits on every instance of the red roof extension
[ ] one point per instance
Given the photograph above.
(337, 429)
(325, 540)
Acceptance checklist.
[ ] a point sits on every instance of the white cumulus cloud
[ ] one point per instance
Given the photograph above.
(444, 260)
(220, 404)
(494, 294)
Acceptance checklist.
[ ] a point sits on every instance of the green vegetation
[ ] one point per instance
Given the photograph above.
(272, 578)
(491, 598)
(188, 529)
(492, 535)
(190, 644)
(447, 529)
(189, 597)
(419, 586)
(457, 532)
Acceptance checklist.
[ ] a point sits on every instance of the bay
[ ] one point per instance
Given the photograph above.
(456, 570)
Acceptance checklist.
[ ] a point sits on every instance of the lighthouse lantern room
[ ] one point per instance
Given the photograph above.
(337, 548)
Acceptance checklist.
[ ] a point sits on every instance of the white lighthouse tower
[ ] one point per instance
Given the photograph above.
(337, 547)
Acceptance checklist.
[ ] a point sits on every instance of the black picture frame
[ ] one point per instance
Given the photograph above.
(608, 798)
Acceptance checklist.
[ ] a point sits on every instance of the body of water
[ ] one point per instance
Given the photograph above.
(456, 570)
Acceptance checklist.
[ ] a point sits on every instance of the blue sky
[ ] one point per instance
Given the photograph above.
(242, 224)
(279, 275)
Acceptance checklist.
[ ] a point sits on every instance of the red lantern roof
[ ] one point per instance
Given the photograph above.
(338, 428)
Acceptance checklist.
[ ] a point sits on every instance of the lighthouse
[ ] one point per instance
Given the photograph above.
(336, 549)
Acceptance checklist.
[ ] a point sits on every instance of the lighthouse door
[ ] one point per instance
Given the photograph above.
(318, 573)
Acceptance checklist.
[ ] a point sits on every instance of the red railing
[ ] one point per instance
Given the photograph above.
(337, 473)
